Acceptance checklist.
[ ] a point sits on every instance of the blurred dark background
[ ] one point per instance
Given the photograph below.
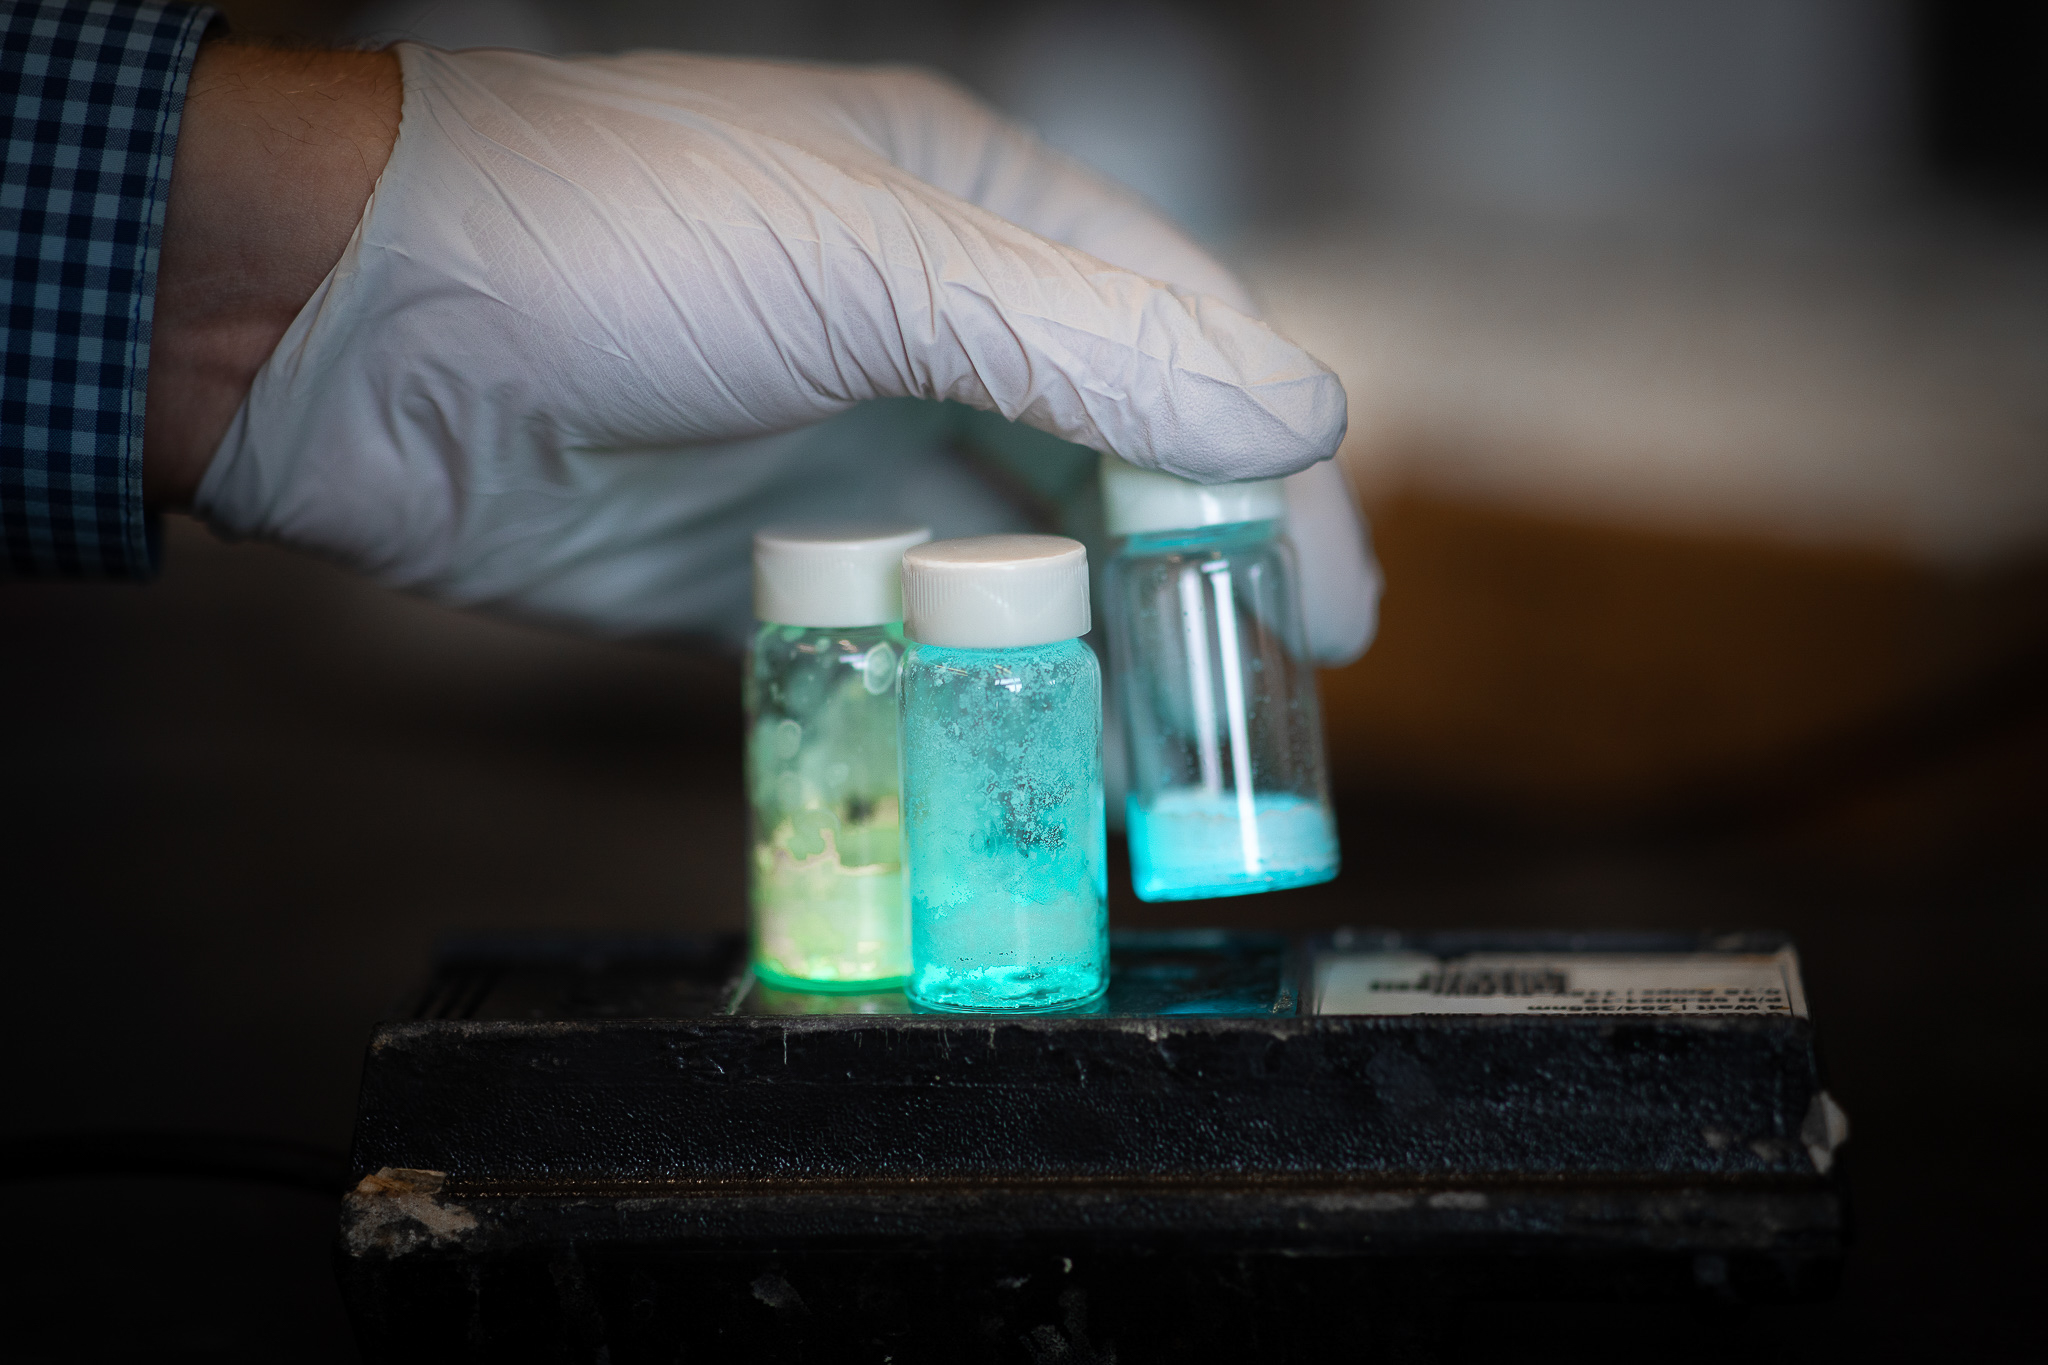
(1698, 353)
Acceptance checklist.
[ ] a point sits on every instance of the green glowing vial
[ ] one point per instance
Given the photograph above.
(830, 910)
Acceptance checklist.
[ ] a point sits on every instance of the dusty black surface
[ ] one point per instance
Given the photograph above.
(240, 806)
(642, 1166)
(1255, 1091)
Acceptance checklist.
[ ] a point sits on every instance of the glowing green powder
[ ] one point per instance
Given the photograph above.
(827, 887)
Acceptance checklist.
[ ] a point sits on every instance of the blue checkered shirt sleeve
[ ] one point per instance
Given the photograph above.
(90, 93)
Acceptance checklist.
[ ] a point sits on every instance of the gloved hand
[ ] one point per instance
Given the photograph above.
(604, 317)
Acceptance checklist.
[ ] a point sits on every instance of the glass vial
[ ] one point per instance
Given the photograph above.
(1229, 792)
(1002, 777)
(826, 887)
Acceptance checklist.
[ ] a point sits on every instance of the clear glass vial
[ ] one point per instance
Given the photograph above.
(826, 889)
(1229, 788)
(1002, 777)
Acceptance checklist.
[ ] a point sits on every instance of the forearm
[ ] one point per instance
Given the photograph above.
(277, 156)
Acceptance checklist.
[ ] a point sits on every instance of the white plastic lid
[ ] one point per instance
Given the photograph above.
(996, 592)
(839, 573)
(1136, 500)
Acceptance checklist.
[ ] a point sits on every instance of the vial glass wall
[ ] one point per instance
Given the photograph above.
(829, 905)
(1002, 788)
(1223, 734)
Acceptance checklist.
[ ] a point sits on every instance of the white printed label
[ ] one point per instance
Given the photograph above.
(1559, 983)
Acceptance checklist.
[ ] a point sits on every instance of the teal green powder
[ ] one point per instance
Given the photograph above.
(1003, 827)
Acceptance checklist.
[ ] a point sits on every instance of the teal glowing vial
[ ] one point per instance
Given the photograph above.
(1228, 786)
(828, 903)
(1002, 777)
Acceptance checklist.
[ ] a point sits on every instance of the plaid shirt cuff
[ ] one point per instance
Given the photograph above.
(90, 94)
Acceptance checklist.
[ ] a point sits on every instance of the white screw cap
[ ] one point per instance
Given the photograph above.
(1136, 500)
(996, 592)
(841, 573)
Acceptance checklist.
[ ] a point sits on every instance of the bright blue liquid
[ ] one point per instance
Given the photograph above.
(1003, 831)
(1191, 844)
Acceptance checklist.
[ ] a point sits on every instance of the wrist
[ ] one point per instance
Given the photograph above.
(278, 152)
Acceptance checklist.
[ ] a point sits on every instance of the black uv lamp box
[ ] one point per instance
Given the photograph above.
(628, 1150)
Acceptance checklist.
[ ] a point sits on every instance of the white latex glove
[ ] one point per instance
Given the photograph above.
(1340, 579)
(591, 329)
